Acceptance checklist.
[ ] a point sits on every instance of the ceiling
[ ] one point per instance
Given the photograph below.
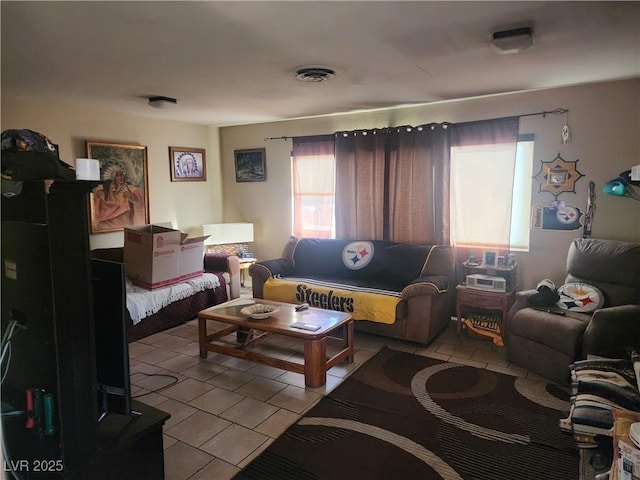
(233, 63)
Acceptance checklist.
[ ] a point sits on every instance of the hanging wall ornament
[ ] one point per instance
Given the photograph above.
(566, 132)
(558, 176)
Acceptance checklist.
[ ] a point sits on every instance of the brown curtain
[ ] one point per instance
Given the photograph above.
(393, 184)
(418, 179)
(360, 184)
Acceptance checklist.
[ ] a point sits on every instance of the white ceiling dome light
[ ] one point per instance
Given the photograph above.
(512, 41)
(162, 102)
(314, 74)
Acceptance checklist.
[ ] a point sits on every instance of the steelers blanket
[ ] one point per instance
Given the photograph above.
(372, 304)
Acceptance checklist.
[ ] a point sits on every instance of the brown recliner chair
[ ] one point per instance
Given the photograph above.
(547, 343)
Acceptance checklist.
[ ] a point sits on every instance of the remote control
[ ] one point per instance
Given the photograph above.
(306, 326)
(302, 306)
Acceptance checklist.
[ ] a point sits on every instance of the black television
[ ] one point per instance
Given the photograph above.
(110, 328)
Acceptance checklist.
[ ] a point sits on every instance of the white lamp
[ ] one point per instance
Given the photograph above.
(234, 234)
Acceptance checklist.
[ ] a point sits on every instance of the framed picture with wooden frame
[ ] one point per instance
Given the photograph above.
(122, 198)
(187, 164)
(251, 165)
(490, 259)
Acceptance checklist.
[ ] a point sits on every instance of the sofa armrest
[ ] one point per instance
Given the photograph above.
(261, 271)
(426, 285)
(613, 331)
(221, 262)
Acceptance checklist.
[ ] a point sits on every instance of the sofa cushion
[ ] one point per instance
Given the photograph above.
(580, 297)
(395, 264)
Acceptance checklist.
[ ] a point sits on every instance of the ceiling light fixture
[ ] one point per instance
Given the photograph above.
(314, 74)
(512, 41)
(162, 102)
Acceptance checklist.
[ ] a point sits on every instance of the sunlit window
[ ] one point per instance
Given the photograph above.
(313, 196)
(491, 195)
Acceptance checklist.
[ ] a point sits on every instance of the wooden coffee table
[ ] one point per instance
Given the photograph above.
(252, 331)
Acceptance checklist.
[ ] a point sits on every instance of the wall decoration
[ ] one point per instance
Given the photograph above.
(251, 165)
(561, 217)
(558, 176)
(122, 199)
(187, 164)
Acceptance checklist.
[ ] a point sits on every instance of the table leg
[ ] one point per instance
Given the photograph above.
(459, 314)
(349, 335)
(202, 337)
(315, 362)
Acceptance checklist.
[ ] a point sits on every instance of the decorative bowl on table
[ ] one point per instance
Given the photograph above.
(259, 311)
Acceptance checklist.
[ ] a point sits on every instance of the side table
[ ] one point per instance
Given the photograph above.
(245, 263)
(483, 300)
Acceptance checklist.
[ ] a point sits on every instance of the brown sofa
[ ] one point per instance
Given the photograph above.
(225, 267)
(419, 277)
(548, 343)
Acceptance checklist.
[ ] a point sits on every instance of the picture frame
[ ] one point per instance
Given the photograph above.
(490, 258)
(250, 165)
(122, 198)
(187, 164)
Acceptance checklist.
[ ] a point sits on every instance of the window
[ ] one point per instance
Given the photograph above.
(313, 176)
(491, 195)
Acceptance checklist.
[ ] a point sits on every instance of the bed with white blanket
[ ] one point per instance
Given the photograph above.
(151, 311)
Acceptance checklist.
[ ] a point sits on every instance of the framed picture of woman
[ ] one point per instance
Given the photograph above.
(187, 164)
(122, 198)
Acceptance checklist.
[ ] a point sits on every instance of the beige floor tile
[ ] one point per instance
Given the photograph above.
(155, 356)
(514, 372)
(187, 390)
(265, 371)
(491, 357)
(167, 441)
(151, 398)
(155, 338)
(361, 356)
(203, 371)
(277, 423)
(157, 381)
(234, 444)
(137, 348)
(343, 369)
(143, 367)
(185, 330)
(192, 349)
(261, 388)
(216, 400)
(255, 453)
(457, 350)
(216, 469)
(198, 428)
(231, 379)
(434, 355)
(238, 364)
(249, 412)
(178, 411)
(178, 363)
(171, 342)
(181, 461)
(294, 398)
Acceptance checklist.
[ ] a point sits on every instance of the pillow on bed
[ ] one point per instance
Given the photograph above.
(580, 297)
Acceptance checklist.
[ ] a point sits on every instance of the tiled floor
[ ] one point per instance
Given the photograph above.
(225, 411)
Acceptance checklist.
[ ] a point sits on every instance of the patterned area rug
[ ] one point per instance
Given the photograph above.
(405, 416)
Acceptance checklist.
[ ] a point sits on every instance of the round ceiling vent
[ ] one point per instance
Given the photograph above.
(314, 74)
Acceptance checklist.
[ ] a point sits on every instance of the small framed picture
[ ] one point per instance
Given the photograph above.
(187, 164)
(490, 258)
(251, 165)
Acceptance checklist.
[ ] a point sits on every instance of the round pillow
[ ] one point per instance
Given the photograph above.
(580, 297)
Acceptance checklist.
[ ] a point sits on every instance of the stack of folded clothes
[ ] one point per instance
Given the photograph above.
(598, 387)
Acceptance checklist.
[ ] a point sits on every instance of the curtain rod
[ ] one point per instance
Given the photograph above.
(544, 113)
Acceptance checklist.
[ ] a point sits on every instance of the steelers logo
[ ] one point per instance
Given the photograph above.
(357, 255)
(567, 215)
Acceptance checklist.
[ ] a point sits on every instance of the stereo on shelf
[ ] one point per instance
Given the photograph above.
(487, 282)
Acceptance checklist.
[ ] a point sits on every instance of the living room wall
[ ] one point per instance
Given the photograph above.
(604, 120)
(186, 205)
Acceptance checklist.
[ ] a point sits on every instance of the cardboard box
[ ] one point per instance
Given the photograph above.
(157, 257)
(191, 257)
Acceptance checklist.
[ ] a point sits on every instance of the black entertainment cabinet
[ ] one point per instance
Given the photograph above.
(47, 292)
